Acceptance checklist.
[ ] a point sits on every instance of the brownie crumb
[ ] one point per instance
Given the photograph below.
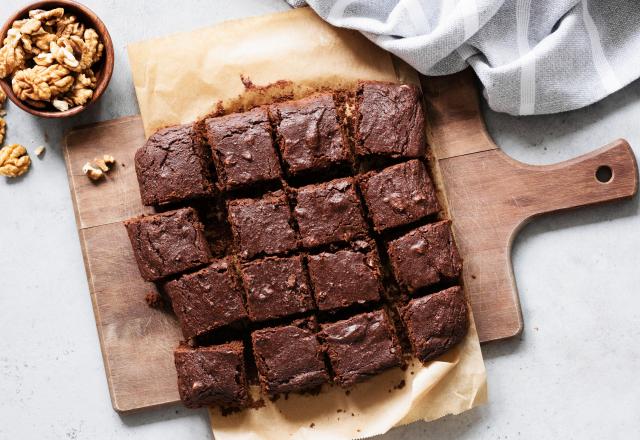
(257, 404)
(400, 385)
(154, 300)
(312, 425)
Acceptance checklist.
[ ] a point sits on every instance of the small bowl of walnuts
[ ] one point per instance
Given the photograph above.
(56, 58)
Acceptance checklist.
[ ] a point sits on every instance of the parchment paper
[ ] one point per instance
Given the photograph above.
(179, 79)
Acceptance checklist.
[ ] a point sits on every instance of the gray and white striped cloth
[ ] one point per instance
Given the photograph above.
(532, 56)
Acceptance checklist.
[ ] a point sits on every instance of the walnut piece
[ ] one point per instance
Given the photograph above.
(39, 151)
(14, 160)
(12, 55)
(3, 130)
(93, 172)
(42, 83)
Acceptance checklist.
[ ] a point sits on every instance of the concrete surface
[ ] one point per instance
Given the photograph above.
(572, 374)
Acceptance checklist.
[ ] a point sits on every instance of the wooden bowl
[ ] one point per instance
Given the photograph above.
(103, 69)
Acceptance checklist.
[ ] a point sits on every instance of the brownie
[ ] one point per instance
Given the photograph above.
(168, 243)
(425, 256)
(329, 212)
(243, 151)
(389, 120)
(344, 278)
(289, 358)
(399, 195)
(206, 300)
(276, 287)
(436, 322)
(309, 134)
(173, 166)
(262, 226)
(212, 376)
(361, 347)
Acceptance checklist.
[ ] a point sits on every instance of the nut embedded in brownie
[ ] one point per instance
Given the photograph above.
(213, 375)
(329, 212)
(389, 120)
(345, 278)
(207, 300)
(276, 287)
(435, 323)
(425, 256)
(399, 195)
(309, 135)
(262, 226)
(289, 358)
(361, 347)
(168, 243)
(173, 166)
(243, 150)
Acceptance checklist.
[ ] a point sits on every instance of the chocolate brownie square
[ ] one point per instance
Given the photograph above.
(329, 212)
(242, 146)
(168, 243)
(262, 226)
(436, 322)
(425, 256)
(345, 278)
(212, 376)
(389, 120)
(361, 347)
(289, 358)
(208, 299)
(276, 287)
(173, 166)
(399, 195)
(309, 134)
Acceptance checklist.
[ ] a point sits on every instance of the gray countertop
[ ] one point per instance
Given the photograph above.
(573, 373)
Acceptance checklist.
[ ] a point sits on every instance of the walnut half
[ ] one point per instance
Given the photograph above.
(14, 160)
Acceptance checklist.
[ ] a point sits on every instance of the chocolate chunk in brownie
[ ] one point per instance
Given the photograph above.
(262, 226)
(345, 278)
(361, 347)
(436, 322)
(243, 151)
(425, 256)
(329, 212)
(399, 195)
(168, 243)
(208, 299)
(389, 120)
(276, 287)
(212, 376)
(173, 166)
(309, 135)
(289, 358)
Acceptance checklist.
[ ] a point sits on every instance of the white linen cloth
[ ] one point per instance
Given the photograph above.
(532, 56)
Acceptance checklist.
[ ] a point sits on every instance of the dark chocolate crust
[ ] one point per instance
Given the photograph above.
(173, 166)
(437, 322)
(344, 278)
(361, 347)
(168, 243)
(212, 375)
(289, 358)
(309, 134)
(206, 300)
(242, 147)
(399, 195)
(276, 287)
(329, 212)
(425, 256)
(262, 226)
(389, 120)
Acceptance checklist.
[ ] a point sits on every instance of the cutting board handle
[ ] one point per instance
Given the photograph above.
(606, 174)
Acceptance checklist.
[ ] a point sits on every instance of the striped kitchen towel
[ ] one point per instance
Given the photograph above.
(532, 56)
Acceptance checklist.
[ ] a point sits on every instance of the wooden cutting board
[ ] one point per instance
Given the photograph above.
(489, 196)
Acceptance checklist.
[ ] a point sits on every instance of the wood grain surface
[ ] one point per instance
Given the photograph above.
(489, 196)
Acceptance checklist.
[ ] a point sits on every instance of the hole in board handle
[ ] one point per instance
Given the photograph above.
(604, 174)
